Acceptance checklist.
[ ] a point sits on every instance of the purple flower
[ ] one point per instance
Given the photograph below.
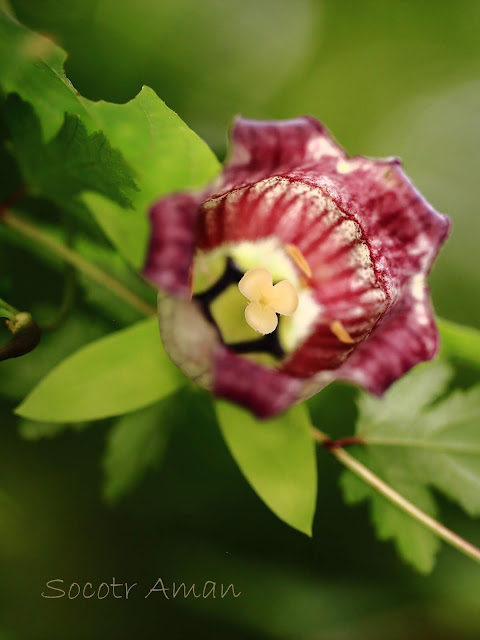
(353, 239)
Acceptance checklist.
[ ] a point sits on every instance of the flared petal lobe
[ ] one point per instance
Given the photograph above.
(406, 336)
(261, 149)
(264, 392)
(172, 243)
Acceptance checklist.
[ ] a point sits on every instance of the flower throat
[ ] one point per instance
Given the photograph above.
(232, 275)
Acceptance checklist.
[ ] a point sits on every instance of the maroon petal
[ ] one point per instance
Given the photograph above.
(404, 231)
(406, 336)
(172, 243)
(260, 149)
(265, 392)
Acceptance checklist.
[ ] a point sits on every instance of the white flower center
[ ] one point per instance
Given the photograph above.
(266, 300)
(271, 337)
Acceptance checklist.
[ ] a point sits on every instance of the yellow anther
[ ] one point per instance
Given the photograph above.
(267, 300)
(341, 333)
(297, 256)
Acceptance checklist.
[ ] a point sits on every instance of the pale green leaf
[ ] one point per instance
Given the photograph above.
(460, 343)
(404, 400)
(119, 373)
(277, 457)
(17, 379)
(165, 155)
(126, 232)
(136, 443)
(414, 446)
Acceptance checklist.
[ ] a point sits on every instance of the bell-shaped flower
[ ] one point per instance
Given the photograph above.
(297, 266)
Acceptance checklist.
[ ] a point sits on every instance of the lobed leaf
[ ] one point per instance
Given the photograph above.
(415, 446)
(277, 457)
(164, 154)
(416, 544)
(72, 162)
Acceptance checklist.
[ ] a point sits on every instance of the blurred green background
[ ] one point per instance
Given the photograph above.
(387, 78)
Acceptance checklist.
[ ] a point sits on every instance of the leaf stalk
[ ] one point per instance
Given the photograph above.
(395, 498)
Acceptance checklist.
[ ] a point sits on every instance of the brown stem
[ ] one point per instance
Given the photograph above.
(11, 199)
(342, 442)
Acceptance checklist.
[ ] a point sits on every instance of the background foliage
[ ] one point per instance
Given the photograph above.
(387, 78)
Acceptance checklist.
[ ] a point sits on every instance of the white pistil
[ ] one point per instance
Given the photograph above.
(267, 300)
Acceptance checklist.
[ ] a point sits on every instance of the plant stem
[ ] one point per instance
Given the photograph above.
(395, 498)
(7, 311)
(76, 260)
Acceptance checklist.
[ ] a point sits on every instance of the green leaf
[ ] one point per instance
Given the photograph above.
(126, 232)
(34, 430)
(414, 446)
(163, 152)
(119, 373)
(166, 155)
(16, 379)
(416, 544)
(277, 457)
(72, 162)
(460, 343)
(135, 444)
(32, 66)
